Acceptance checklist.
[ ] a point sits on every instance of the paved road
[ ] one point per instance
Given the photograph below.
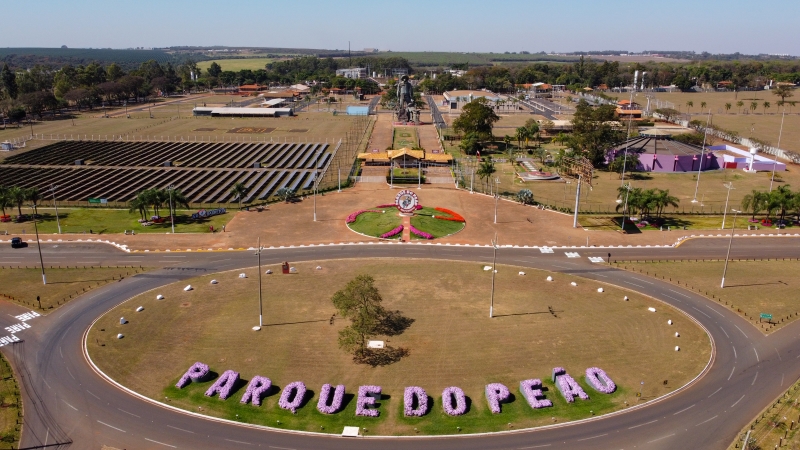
(65, 400)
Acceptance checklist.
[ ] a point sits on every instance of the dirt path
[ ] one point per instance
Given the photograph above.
(406, 228)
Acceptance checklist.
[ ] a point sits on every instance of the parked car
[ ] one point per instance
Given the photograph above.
(17, 242)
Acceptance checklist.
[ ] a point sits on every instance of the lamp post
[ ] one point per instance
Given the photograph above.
(729, 186)
(775, 162)
(55, 204)
(260, 297)
(494, 265)
(171, 212)
(496, 197)
(39, 245)
(316, 184)
(730, 242)
(625, 206)
(702, 153)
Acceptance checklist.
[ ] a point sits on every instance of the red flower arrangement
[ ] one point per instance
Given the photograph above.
(455, 217)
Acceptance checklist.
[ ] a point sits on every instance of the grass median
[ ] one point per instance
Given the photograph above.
(538, 325)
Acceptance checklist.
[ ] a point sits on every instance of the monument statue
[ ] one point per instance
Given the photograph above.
(406, 111)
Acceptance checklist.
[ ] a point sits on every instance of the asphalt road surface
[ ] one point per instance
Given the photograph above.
(66, 401)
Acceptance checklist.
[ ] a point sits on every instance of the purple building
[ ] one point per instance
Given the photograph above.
(659, 153)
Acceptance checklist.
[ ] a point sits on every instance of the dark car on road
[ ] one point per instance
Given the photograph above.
(17, 243)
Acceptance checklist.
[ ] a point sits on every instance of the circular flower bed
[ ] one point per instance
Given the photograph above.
(384, 222)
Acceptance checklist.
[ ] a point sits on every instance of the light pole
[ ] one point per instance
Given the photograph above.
(775, 162)
(260, 298)
(730, 242)
(625, 206)
(702, 153)
(728, 185)
(316, 184)
(39, 245)
(496, 197)
(53, 191)
(494, 266)
(171, 212)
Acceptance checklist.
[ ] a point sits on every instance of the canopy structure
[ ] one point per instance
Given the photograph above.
(405, 153)
(655, 132)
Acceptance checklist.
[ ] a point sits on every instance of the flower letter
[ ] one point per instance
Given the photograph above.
(196, 373)
(409, 396)
(366, 397)
(255, 390)
(335, 403)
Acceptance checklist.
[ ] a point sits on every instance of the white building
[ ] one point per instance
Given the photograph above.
(354, 73)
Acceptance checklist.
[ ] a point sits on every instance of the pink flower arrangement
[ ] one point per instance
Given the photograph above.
(352, 217)
(224, 385)
(568, 386)
(394, 232)
(366, 398)
(496, 393)
(255, 390)
(292, 396)
(600, 381)
(454, 394)
(414, 394)
(390, 205)
(197, 372)
(421, 233)
(335, 403)
(532, 390)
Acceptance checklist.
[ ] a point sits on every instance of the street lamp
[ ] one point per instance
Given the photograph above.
(730, 242)
(39, 245)
(171, 212)
(702, 153)
(729, 186)
(494, 270)
(316, 184)
(53, 191)
(775, 162)
(625, 206)
(260, 299)
(496, 197)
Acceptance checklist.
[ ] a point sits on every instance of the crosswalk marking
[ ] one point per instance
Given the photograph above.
(597, 259)
(545, 249)
(572, 254)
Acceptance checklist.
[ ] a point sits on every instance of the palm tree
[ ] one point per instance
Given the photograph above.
(177, 199)
(689, 105)
(138, 204)
(783, 199)
(34, 196)
(507, 141)
(239, 191)
(663, 199)
(17, 196)
(486, 170)
(703, 105)
(727, 107)
(753, 202)
(753, 106)
(739, 105)
(766, 107)
(5, 201)
(521, 134)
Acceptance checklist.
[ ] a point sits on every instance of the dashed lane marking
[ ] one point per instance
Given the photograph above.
(180, 429)
(593, 437)
(130, 413)
(729, 376)
(706, 421)
(160, 443)
(69, 404)
(111, 426)
(643, 424)
(662, 437)
(737, 401)
(684, 409)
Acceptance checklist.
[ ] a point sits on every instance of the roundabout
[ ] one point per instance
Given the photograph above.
(77, 405)
(432, 343)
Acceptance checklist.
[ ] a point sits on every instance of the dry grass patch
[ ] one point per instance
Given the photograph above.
(10, 407)
(452, 342)
(751, 287)
(24, 285)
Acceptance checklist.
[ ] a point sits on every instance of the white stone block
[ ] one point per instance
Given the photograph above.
(677, 334)
(140, 309)
(188, 288)
(651, 309)
(242, 275)
(625, 298)
(487, 267)
(549, 278)
(669, 322)
(159, 297)
(600, 290)
(214, 282)
(677, 349)
(574, 283)
(120, 336)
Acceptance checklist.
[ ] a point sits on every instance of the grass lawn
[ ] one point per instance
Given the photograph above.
(404, 137)
(751, 287)
(424, 220)
(691, 222)
(103, 221)
(10, 407)
(24, 285)
(451, 342)
(237, 64)
(769, 427)
(376, 224)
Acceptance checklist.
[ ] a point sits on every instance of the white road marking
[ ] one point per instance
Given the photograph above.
(572, 254)
(729, 376)
(643, 281)
(535, 446)
(545, 249)
(754, 380)
(597, 259)
(701, 312)
(166, 445)
(723, 330)
(737, 401)
(70, 373)
(714, 310)
(286, 448)
(682, 295)
(180, 429)
(593, 437)
(734, 353)
(745, 334)
(662, 437)
(684, 409)
(754, 350)
(634, 284)
(69, 404)
(718, 389)
(706, 421)
(782, 375)
(603, 276)
(238, 442)
(90, 393)
(779, 355)
(60, 352)
(643, 424)
(126, 412)
(111, 426)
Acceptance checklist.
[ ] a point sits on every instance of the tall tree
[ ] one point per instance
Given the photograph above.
(783, 91)
(593, 131)
(477, 117)
(9, 80)
(360, 302)
(239, 192)
(17, 196)
(754, 202)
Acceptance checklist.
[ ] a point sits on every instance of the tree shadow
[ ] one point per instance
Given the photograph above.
(393, 323)
(376, 357)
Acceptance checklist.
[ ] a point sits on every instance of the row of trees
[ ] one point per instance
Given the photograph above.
(12, 196)
(157, 199)
(780, 201)
(645, 201)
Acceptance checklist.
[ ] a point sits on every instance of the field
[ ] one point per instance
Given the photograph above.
(748, 123)
(773, 427)
(237, 64)
(24, 285)
(751, 287)
(11, 409)
(446, 59)
(450, 341)
(108, 220)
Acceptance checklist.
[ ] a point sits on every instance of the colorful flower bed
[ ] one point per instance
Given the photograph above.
(415, 394)
(394, 232)
(292, 396)
(366, 398)
(532, 391)
(496, 393)
(420, 233)
(568, 386)
(335, 404)
(352, 217)
(196, 373)
(255, 390)
(454, 216)
(454, 394)
(224, 385)
(599, 380)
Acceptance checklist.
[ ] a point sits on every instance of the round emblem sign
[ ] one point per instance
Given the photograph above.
(406, 201)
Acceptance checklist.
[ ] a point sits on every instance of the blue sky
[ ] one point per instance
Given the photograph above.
(412, 25)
